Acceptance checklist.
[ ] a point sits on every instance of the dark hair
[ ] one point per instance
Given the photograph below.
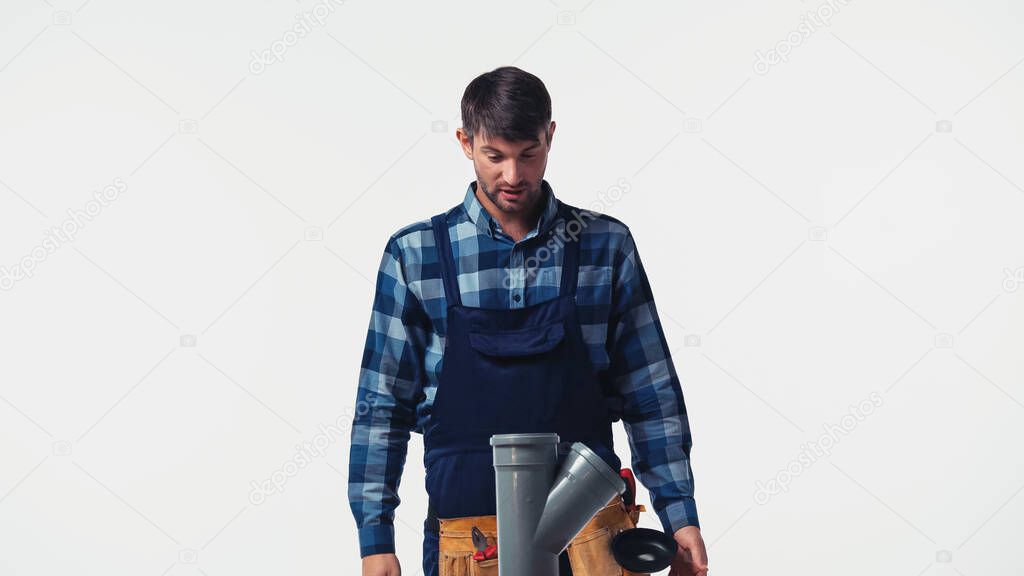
(507, 103)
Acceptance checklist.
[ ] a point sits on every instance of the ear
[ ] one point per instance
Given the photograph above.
(551, 132)
(467, 146)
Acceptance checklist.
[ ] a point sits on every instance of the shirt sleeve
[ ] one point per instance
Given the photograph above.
(390, 386)
(653, 410)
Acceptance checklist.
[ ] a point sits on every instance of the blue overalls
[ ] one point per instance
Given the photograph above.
(506, 371)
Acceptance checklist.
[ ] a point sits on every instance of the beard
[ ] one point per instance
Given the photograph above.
(527, 202)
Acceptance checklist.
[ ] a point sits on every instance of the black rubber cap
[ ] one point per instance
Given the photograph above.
(643, 549)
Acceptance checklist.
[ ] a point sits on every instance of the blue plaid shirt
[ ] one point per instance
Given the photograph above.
(405, 342)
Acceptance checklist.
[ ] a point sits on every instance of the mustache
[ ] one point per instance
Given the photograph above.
(520, 188)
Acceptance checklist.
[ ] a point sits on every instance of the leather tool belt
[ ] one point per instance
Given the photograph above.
(590, 552)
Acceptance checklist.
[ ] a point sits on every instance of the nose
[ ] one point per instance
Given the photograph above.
(512, 174)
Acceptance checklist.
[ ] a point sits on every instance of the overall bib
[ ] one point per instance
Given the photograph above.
(505, 371)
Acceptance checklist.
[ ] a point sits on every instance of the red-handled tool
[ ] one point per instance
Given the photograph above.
(629, 496)
(483, 550)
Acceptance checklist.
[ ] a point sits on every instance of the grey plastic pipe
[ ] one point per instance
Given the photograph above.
(541, 509)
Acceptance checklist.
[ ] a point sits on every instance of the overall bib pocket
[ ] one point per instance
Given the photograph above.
(513, 344)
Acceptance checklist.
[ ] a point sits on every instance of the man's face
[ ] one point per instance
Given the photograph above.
(508, 173)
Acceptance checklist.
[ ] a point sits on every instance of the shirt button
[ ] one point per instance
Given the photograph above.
(516, 297)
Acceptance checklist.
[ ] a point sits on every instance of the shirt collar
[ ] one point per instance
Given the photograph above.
(488, 225)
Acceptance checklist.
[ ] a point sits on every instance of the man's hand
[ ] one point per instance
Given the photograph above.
(691, 558)
(381, 565)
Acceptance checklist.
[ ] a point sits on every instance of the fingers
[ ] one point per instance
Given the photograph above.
(675, 570)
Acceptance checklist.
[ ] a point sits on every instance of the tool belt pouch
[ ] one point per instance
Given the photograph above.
(590, 552)
(455, 546)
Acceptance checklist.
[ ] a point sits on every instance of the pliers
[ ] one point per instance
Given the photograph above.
(483, 550)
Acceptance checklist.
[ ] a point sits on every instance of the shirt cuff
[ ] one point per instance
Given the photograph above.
(678, 514)
(376, 539)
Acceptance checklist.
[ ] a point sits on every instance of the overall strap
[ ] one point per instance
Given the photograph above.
(445, 259)
(571, 257)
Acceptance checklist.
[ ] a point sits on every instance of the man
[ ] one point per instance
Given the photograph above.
(512, 312)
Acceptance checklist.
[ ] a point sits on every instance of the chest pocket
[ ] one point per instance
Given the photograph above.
(518, 343)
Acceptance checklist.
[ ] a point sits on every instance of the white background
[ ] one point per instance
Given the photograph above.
(846, 222)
